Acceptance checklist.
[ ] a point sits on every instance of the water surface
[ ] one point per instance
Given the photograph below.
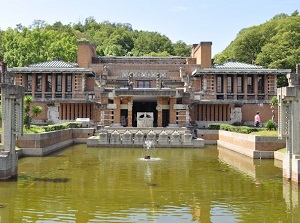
(81, 184)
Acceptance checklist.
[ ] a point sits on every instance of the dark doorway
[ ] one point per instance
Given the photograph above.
(144, 107)
(124, 117)
(165, 117)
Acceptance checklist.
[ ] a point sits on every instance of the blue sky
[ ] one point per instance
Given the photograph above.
(191, 21)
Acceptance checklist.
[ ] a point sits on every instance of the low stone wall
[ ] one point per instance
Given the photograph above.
(47, 142)
(209, 136)
(250, 145)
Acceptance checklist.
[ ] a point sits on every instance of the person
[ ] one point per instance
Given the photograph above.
(257, 120)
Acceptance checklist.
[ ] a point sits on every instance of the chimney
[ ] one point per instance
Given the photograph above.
(85, 53)
(202, 53)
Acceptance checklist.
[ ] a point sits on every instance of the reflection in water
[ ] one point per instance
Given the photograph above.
(83, 184)
(258, 169)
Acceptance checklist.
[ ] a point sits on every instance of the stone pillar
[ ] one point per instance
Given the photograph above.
(187, 117)
(255, 84)
(44, 80)
(289, 127)
(172, 111)
(33, 84)
(117, 111)
(53, 85)
(225, 86)
(130, 104)
(159, 111)
(245, 86)
(63, 85)
(12, 124)
(235, 86)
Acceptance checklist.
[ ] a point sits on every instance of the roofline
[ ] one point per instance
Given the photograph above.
(199, 72)
(49, 70)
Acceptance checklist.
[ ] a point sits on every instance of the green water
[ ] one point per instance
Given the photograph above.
(81, 184)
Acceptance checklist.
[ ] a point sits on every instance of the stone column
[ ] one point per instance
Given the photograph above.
(225, 86)
(235, 86)
(44, 80)
(33, 84)
(172, 111)
(63, 85)
(53, 85)
(159, 111)
(255, 89)
(130, 104)
(117, 111)
(245, 86)
(12, 124)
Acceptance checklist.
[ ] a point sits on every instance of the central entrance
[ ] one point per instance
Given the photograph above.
(144, 107)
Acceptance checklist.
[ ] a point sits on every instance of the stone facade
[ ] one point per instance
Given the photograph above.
(178, 91)
(289, 125)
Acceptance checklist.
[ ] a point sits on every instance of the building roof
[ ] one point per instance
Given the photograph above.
(54, 66)
(235, 67)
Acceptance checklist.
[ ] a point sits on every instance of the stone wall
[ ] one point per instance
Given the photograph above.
(209, 136)
(250, 145)
(47, 142)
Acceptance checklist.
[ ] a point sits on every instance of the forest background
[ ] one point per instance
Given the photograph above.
(273, 44)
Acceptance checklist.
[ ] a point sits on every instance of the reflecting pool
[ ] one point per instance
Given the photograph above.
(81, 184)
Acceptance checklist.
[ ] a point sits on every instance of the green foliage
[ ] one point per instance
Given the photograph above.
(282, 81)
(66, 125)
(42, 42)
(29, 108)
(33, 129)
(240, 129)
(232, 128)
(269, 125)
(274, 101)
(215, 126)
(274, 44)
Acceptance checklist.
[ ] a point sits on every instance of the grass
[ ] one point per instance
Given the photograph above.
(283, 150)
(265, 132)
(33, 129)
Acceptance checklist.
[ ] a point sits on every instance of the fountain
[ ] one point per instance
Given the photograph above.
(148, 144)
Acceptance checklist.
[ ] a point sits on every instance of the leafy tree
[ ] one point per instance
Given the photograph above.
(282, 81)
(182, 49)
(274, 44)
(37, 45)
(30, 109)
(145, 44)
(273, 103)
(42, 42)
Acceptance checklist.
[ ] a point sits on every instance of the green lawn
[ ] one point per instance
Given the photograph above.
(265, 133)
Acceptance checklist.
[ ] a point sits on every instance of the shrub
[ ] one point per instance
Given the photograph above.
(270, 125)
(215, 126)
(241, 129)
(66, 125)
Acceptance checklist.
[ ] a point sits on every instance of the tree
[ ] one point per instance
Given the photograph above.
(182, 49)
(35, 111)
(273, 103)
(274, 44)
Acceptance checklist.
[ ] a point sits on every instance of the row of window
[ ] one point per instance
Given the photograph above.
(240, 84)
(49, 82)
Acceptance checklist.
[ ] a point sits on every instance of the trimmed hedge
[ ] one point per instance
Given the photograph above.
(66, 125)
(232, 128)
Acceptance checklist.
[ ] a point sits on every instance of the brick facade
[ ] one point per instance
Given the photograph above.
(178, 90)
